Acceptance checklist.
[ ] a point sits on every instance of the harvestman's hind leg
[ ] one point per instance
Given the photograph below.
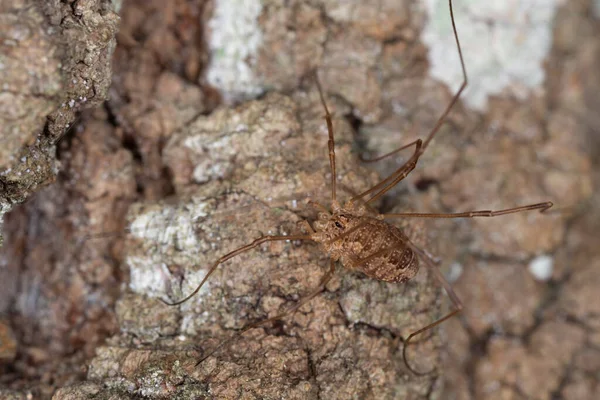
(431, 264)
(326, 278)
(542, 207)
(453, 297)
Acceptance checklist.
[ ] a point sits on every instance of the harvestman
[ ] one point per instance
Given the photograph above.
(360, 238)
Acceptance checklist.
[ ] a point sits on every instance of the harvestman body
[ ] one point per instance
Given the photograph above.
(360, 238)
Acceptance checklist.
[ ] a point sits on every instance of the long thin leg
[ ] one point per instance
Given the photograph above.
(430, 263)
(318, 205)
(442, 118)
(401, 173)
(363, 203)
(307, 226)
(453, 297)
(326, 278)
(543, 207)
(330, 142)
(104, 235)
(404, 170)
(386, 155)
(394, 178)
(232, 254)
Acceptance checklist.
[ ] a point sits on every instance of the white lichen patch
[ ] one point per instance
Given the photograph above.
(190, 322)
(212, 167)
(152, 384)
(153, 279)
(193, 315)
(170, 226)
(192, 280)
(201, 144)
(504, 42)
(234, 40)
(541, 268)
(148, 277)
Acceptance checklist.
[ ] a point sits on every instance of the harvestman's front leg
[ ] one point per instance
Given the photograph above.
(391, 181)
(387, 183)
(449, 107)
(232, 254)
(403, 171)
(326, 278)
(330, 141)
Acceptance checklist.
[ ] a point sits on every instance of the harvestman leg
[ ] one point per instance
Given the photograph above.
(391, 153)
(398, 175)
(542, 207)
(352, 192)
(430, 263)
(453, 297)
(420, 145)
(232, 254)
(326, 278)
(388, 182)
(330, 141)
(385, 184)
(454, 100)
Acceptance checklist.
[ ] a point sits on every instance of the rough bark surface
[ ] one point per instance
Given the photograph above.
(55, 63)
(351, 330)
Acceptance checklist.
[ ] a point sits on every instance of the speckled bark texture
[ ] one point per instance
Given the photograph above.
(192, 180)
(55, 62)
(345, 343)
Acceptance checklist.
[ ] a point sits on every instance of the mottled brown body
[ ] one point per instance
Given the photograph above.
(366, 243)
